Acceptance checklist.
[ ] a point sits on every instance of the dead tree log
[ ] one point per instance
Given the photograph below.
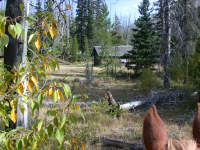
(117, 144)
(167, 96)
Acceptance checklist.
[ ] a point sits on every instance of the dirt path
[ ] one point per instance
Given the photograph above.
(122, 89)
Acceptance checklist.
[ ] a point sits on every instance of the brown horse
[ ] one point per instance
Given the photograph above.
(155, 134)
(154, 131)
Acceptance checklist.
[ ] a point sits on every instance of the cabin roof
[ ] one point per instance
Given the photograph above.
(113, 50)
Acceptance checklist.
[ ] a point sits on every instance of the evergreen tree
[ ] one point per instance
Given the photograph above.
(81, 23)
(48, 5)
(102, 24)
(90, 23)
(74, 49)
(142, 55)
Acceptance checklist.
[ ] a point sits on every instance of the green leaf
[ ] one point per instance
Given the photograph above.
(6, 121)
(19, 144)
(32, 18)
(21, 6)
(73, 118)
(18, 29)
(60, 135)
(63, 120)
(50, 130)
(40, 125)
(7, 144)
(55, 121)
(34, 106)
(40, 98)
(5, 40)
(67, 90)
(2, 137)
(69, 78)
(11, 31)
(82, 115)
(51, 112)
(55, 97)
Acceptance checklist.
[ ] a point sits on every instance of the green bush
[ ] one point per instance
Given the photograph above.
(148, 80)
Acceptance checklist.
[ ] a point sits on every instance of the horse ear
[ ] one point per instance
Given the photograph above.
(196, 126)
(154, 131)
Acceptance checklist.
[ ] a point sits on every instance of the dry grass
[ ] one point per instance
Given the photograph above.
(128, 127)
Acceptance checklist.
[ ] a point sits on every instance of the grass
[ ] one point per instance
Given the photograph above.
(128, 127)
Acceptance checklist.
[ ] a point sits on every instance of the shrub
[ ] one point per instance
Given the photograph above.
(148, 81)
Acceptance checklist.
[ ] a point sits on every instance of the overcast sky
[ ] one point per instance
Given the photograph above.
(124, 8)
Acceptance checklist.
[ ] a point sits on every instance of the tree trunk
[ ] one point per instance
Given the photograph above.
(166, 39)
(16, 50)
(13, 52)
(23, 118)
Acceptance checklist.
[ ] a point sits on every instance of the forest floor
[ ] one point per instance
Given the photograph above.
(128, 127)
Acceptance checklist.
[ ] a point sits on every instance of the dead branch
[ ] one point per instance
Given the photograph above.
(117, 144)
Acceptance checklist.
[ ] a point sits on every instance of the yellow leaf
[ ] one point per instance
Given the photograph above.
(38, 43)
(52, 32)
(2, 29)
(50, 84)
(74, 140)
(21, 89)
(30, 38)
(69, 7)
(82, 146)
(51, 92)
(13, 116)
(35, 81)
(13, 103)
(75, 148)
(78, 107)
(45, 32)
(30, 85)
(60, 95)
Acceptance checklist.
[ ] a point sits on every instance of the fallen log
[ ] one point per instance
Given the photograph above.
(131, 105)
(117, 144)
(166, 96)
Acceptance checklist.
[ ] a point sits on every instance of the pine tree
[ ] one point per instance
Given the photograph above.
(102, 24)
(142, 55)
(48, 5)
(90, 23)
(74, 49)
(81, 23)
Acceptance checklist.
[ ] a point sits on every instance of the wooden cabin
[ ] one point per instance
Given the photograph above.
(99, 52)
